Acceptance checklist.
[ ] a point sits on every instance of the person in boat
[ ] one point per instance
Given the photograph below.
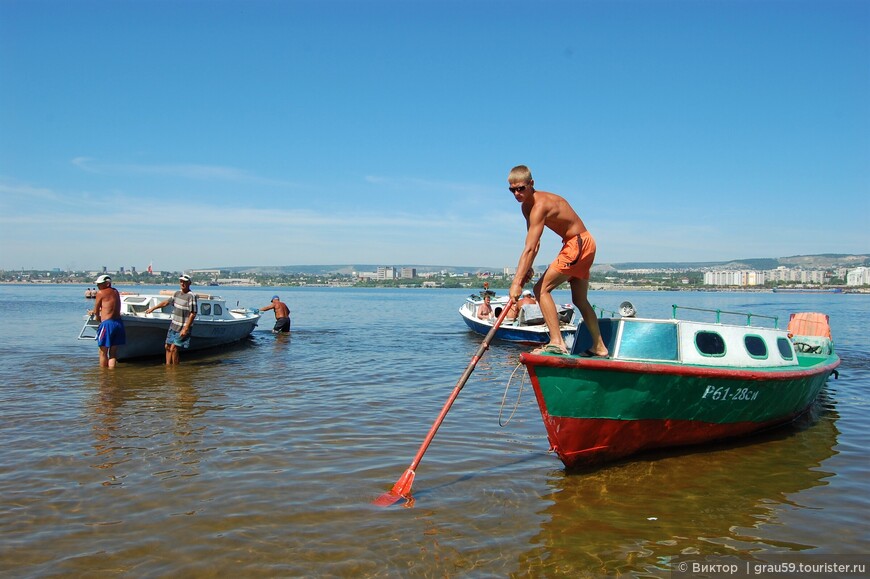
(514, 312)
(484, 310)
(184, 308)
(107, 311)
(543, 209)
(282, 315)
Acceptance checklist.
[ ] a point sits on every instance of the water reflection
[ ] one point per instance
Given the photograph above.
(146, 415)
(636, 516)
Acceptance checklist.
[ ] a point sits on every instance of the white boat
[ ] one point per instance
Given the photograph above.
(528, 328)
(215, 324)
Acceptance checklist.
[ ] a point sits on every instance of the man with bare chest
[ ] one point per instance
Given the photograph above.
(107, 311)
(542, 209)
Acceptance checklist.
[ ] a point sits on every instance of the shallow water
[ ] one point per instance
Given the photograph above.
(264, 460)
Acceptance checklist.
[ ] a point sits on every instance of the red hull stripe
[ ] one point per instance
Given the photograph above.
(676, 369)
(592, 441)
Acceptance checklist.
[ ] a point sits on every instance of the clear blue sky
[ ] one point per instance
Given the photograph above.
(200, 134)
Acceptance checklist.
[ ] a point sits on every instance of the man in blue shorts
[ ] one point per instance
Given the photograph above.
(184, 308)
(107, 311)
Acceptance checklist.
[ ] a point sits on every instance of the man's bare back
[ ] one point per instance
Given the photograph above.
(107, 305)
(281, 310)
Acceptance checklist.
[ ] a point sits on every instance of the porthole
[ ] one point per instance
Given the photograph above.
(785, 350)
(755, 346)
(710, 343)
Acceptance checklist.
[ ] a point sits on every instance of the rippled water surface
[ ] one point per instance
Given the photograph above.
(263, 460)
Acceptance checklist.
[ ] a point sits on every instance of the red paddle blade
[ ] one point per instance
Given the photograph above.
(399, 491)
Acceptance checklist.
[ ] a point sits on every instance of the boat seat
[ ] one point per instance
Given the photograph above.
(530, 315)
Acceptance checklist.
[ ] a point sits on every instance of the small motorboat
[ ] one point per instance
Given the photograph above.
(215, 324)
(529, 326)
(675, 382)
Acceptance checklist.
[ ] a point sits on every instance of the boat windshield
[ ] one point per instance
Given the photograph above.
(648, 340)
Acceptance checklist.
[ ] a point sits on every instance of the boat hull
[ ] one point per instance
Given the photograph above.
(147, 336)
(599, 410)
(518, 334)
(146, 322)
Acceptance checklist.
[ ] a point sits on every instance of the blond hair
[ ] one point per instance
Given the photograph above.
(520, 173)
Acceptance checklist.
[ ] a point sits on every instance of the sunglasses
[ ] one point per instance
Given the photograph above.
(519, 189)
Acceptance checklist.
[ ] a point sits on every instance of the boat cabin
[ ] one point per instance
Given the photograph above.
(689, 342)
(210, 307)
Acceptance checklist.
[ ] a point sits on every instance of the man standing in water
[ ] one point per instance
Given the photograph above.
(184, 308)
(542, 209)
(282, 315)
(107, 311)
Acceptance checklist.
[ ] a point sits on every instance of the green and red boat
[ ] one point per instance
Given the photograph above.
(677, 382)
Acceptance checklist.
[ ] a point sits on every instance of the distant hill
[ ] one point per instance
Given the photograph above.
(345, 268)
(825, 260)
(820, 261)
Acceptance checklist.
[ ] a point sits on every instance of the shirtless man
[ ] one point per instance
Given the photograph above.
(282, 315)
(542, 209)
(107, 311)
(484, 310)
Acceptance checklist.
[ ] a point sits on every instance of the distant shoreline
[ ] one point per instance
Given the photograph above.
(596, 287)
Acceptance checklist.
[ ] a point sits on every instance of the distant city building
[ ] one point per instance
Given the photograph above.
(209, 272)
(408, 273)
(236, 281)
(386, 272)
(735, 277)
(858, 276)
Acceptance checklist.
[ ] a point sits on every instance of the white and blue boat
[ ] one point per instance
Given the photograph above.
(529, 326)
(215, 324)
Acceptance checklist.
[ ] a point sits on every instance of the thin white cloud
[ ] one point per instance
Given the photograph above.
(59, 228)
(181, 170)
(27, 192)
(137, 212)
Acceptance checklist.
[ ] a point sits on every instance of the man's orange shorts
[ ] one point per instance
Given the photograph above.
(576, 257)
